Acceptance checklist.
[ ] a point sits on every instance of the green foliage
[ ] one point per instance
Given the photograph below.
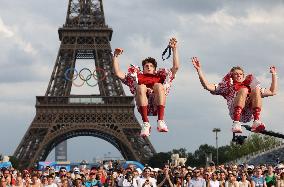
(201, 152)
(254, 143)
(14, 161)
(182, 152)
(159, 159)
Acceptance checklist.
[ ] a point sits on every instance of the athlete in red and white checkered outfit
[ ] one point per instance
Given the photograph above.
(243, 94)
(149, 86)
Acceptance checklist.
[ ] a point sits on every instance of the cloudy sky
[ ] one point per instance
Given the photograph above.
(222, 33)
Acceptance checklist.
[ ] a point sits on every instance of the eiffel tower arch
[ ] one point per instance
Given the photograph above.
(108, 115)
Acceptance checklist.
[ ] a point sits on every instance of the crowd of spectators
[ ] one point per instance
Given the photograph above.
(180, 176)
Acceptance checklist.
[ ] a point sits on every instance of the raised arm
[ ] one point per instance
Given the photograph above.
(204, 82)
(120, 74)
(173, 45)
(274, 85)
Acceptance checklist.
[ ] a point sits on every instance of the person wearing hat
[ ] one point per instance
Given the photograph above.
(150, 87)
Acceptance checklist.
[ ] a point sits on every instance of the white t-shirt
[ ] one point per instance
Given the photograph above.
(152, 182)
(244, 184)
(214, 183)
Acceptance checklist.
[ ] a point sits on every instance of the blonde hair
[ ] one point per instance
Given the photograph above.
(237, 68)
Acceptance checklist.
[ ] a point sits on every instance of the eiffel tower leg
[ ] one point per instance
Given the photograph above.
(54, 124)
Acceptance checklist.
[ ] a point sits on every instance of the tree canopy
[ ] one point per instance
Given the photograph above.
(253, 143)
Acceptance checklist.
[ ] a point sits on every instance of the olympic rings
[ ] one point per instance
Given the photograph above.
(85, 75)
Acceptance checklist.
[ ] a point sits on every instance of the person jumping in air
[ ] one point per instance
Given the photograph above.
(243, 94)
(149, 86)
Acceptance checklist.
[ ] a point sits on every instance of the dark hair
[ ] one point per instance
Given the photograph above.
(147, 168)
(149, 60)
(62, 168)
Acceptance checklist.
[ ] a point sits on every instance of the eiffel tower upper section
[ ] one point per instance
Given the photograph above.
(84, 36)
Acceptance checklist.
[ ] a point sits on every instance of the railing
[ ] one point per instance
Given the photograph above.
(247, 158)
(85, 100)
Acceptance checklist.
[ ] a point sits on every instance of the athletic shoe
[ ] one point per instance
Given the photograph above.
(237, 127)
(162, 127)
(257, 126)
(146, 129)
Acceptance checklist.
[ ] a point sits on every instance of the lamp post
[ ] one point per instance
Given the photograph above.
(216, 130)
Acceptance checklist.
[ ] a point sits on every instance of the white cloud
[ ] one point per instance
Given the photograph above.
(5, 31)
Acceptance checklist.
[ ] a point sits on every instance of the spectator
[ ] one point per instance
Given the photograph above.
(129, 180)
(65, 183)
(178, 181)
(165, 179)
(270, 178)
(27, 179)
(146, 180)
(207, 178)
(197, 180)
(35, 181)
(78, 182)
(214, 180)
(19, 181)
(258, 180)
(50, 181)
(187, 180)
(3, 182)
(244, 182)
(231, 182)
(280, 179)
(222, 179)
(44, 181)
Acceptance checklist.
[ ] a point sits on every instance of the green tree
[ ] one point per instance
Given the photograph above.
(14, 161)
(200, 154)
(190, 160)
(158, 160)
(254, 143)
(223, 153)
(182, 152)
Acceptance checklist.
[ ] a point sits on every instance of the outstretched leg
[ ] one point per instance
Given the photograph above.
(160, 101)
(256, 107)
(142, 103)
(239, 103)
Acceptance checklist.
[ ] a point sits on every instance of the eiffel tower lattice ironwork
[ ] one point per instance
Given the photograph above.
(60, 115)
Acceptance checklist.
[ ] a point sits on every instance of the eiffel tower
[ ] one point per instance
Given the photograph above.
(108, 115)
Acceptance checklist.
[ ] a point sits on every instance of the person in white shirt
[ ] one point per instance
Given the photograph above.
(214, 182)
(147, 180)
